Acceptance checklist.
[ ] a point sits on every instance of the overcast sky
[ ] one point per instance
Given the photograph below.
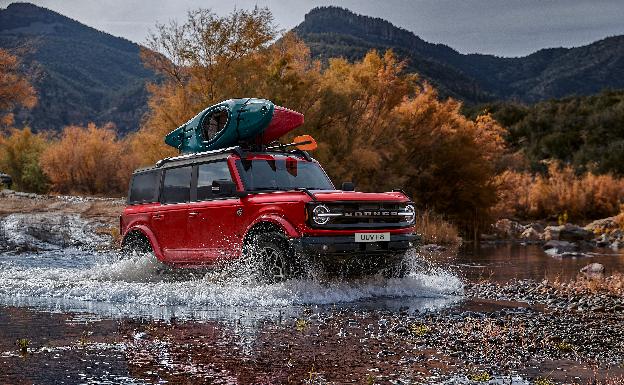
(499, 27)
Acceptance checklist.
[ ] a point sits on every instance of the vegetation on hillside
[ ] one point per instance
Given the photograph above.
(548, 73)
(585, 132)
(83, 74)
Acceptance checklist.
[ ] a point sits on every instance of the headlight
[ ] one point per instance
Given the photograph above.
(410, 214)
(318, 214)
(321, 215)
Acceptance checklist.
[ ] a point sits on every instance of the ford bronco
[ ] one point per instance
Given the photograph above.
(278, 206)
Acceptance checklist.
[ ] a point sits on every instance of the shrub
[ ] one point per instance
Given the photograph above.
(88, 160)
(20, 151)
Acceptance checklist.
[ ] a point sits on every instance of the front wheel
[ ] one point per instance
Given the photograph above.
(271, 256)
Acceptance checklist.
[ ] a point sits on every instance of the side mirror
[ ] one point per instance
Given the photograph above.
(348, 186)
(225, 188)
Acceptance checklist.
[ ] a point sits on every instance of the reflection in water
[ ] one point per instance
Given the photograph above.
(502, 263)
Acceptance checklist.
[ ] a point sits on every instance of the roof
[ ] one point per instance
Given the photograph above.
(207, 156)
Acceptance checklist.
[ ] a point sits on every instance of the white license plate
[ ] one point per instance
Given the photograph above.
(372, 237)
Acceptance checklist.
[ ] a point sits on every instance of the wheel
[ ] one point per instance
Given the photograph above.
(271, 256)
(135, 243)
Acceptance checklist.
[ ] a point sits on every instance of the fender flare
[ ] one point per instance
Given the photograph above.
(150, 237)
(288, 228)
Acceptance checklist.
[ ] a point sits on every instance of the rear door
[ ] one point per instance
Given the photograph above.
(169, 222)
(215, 222)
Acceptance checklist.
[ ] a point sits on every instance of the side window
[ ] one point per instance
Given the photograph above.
(177, 185)
(206, 174)
(144, 187)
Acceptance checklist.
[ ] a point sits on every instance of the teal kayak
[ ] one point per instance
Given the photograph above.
(229, 123)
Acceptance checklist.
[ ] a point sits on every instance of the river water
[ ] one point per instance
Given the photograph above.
(61, 297)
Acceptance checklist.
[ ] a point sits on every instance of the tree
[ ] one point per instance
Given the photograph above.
(375, 123)
(15, 89)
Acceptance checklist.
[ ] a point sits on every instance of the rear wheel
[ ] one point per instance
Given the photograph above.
(271, 256)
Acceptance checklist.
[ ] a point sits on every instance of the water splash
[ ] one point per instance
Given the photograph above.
(104, 283)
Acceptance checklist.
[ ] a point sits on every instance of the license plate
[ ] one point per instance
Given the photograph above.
(372, 237)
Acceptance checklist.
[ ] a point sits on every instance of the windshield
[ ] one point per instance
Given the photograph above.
(282, 173)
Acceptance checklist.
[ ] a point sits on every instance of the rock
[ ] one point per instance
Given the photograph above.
(602, 226)
(508, 229)
(617, 245)
(567, 232)
(531, 234)
(602, 241)
(535, 226)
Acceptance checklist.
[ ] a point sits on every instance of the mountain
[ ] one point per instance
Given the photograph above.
(545, 74)
(82, 74)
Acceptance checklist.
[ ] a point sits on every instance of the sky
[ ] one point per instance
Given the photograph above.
(498, 27)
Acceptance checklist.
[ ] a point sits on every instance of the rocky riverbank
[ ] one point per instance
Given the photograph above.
(562, 241)
(33, 223)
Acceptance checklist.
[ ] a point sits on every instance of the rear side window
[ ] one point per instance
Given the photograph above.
(144, 187)
(177, 185)
(208, 173)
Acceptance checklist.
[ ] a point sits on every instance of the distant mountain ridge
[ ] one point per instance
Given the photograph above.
(88, 75)
(545, 74)
(85, 74)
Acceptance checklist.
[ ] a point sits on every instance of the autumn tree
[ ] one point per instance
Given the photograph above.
(210, 58)
(375, 124)
(15, 89)
(89, 160)
(20, 151)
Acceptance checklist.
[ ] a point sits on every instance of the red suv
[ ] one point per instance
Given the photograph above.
(276, 206)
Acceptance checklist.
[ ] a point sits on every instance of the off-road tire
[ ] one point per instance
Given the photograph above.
(273, 256)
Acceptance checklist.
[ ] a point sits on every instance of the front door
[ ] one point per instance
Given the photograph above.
(169, 221)
(215, 224)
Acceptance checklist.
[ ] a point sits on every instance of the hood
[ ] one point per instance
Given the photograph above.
(338, 195)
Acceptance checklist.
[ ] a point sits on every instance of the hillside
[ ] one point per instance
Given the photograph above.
(82, 74)
(545, 74)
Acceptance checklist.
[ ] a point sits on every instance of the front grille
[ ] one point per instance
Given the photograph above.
(362, 215)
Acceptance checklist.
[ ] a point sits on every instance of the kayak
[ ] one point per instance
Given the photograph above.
(222, 125)
(234, 122)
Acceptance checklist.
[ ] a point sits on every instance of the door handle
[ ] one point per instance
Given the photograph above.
(193, 214)
(157, 217)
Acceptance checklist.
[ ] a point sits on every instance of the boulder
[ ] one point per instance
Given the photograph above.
(567, 232)
(508, 229)
(593, 270)
(531, 234)
(600, 226)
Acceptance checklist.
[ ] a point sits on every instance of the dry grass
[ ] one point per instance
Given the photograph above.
(612, 285)
(434, 229)
(559, 192)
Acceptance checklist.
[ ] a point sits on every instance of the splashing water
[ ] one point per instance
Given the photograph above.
(74, 279)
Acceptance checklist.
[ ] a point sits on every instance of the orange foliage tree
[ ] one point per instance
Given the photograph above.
(88, 160)
(15, 89)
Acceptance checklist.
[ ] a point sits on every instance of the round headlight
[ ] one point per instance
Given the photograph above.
(319, 214)
(410, 214)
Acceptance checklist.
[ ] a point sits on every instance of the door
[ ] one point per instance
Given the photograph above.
(169, 221)
(215, 222)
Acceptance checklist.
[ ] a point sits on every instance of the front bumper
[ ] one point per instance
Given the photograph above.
(337, 245)
(342, 254)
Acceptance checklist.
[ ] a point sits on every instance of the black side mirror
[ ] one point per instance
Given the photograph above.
(348, 186)
(225, 188)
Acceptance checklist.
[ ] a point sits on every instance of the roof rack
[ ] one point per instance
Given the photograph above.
(238, 150)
